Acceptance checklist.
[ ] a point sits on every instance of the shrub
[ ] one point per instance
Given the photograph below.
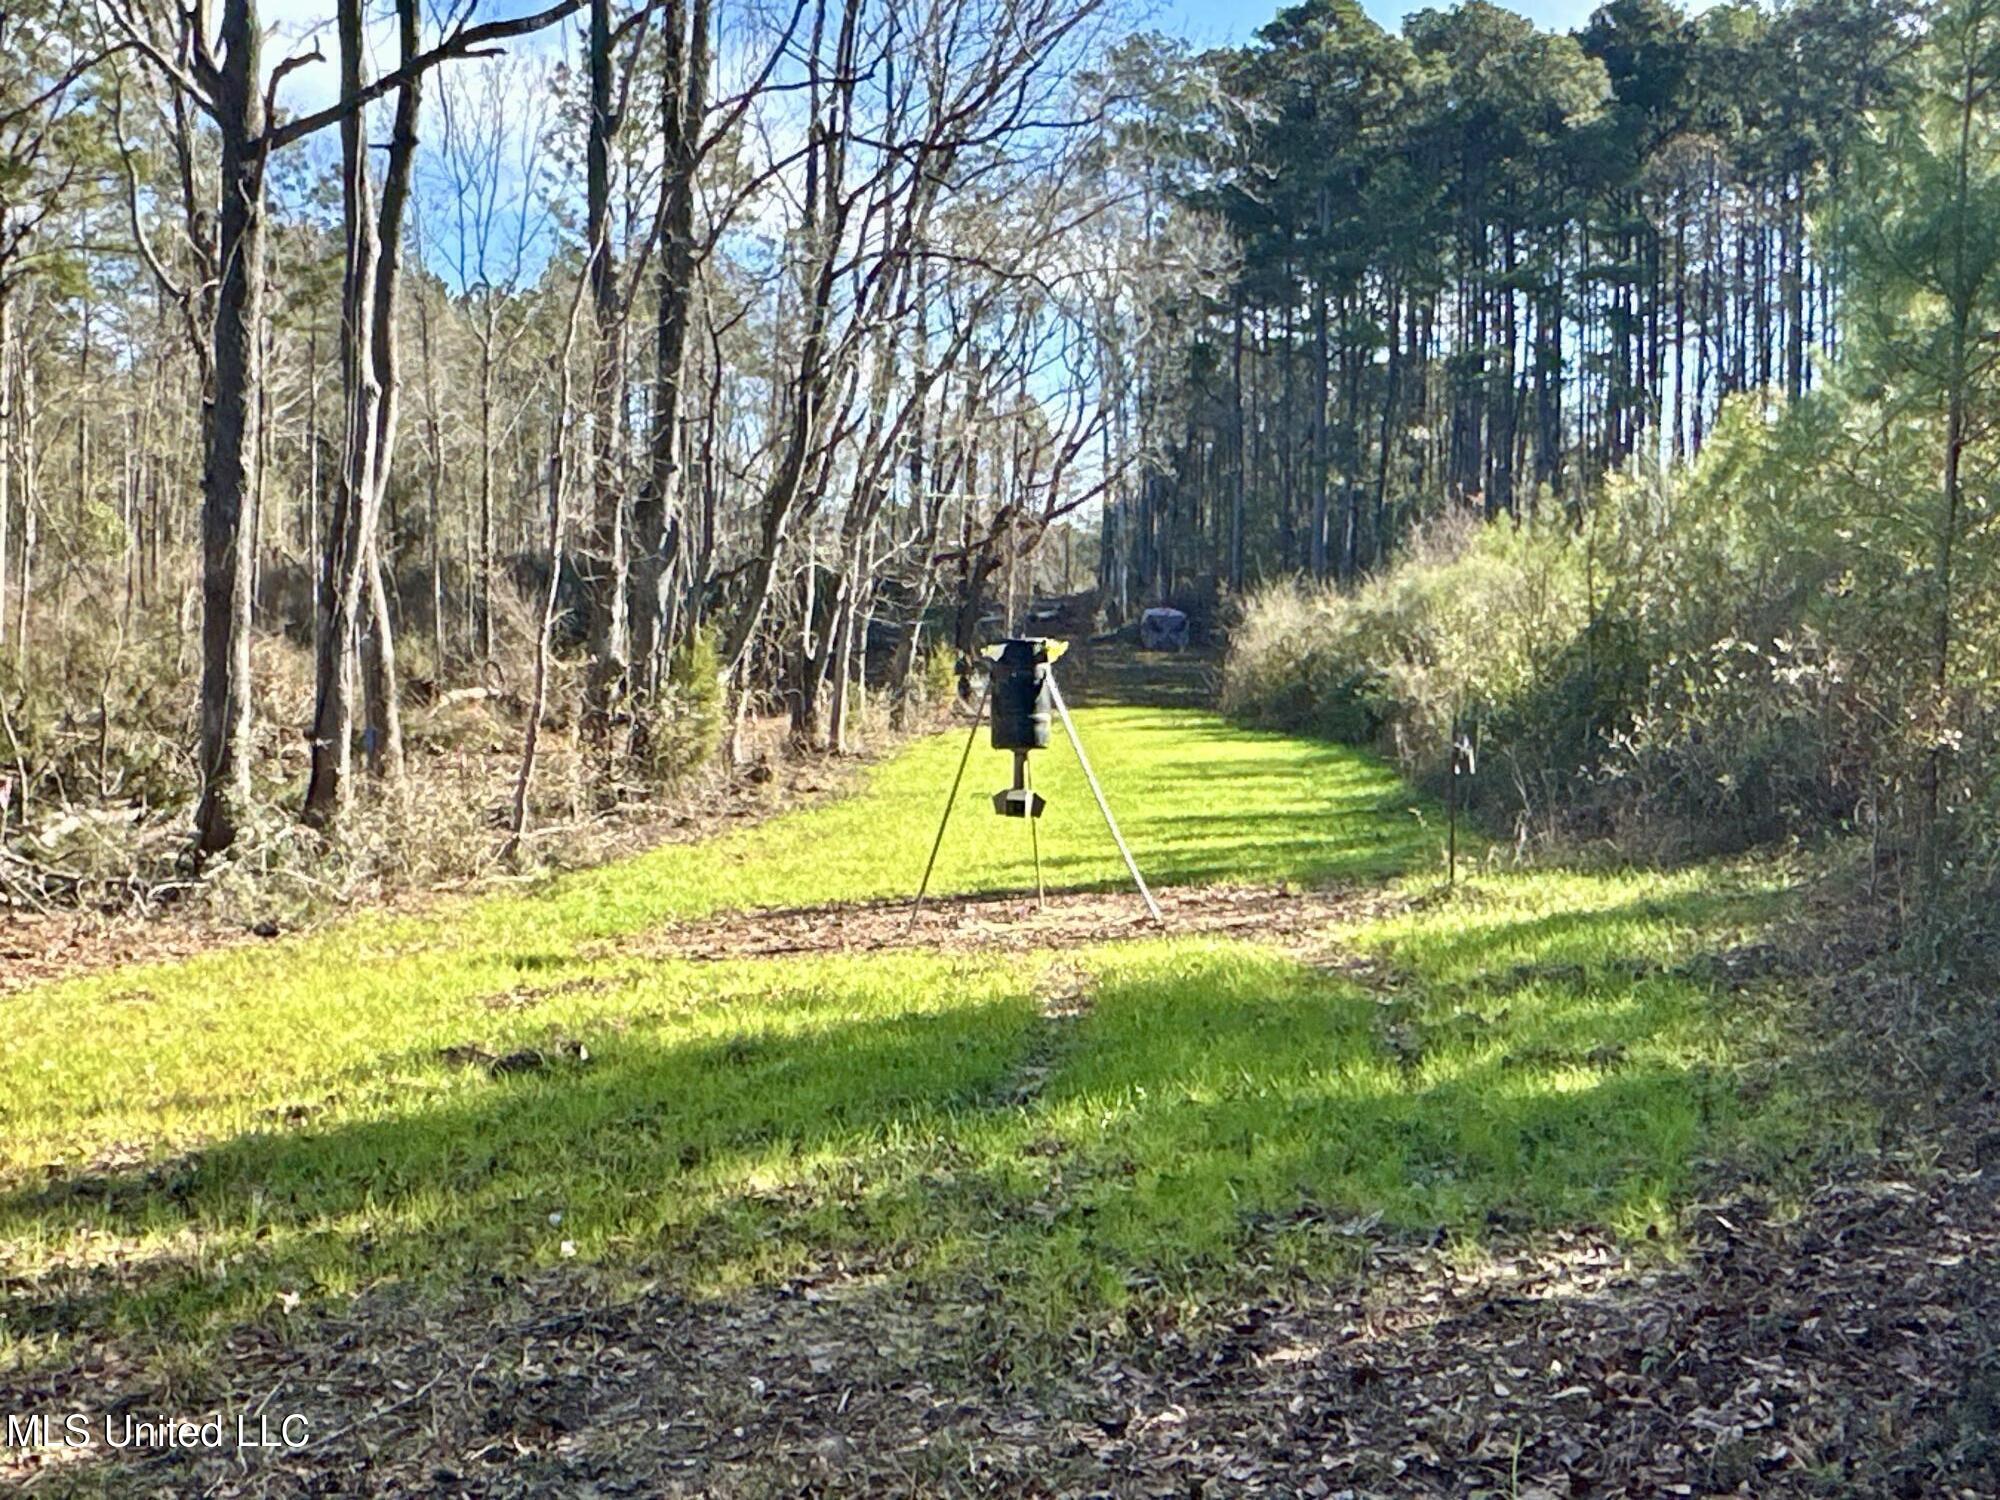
(1464, 626)
(98, 714)
(1714, 652)
(939, 683)
(682, 733)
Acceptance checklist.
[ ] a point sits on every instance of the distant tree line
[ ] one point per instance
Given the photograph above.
(1478, 263)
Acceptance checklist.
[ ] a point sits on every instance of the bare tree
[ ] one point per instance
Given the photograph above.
(491, 220)
(220, 71)
(39, 164)
(371, 377)
(558, 484)
(656, 516)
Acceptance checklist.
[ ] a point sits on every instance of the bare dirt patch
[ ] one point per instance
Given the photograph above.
(1295, 917)
(40, 947)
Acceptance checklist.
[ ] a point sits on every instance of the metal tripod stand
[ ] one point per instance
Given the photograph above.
(1023, 673)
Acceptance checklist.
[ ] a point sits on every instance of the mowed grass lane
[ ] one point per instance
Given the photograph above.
(185, 1147)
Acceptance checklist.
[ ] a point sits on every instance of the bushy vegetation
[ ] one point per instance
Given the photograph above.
(1721, 655)
(97, 780)
(685, 731)
(1392, 661)
(939, 683)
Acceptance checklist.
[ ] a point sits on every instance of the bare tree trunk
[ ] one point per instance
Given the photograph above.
(607, 566)
(844, 649)
(656, 517)
(1316, 551)
(702, 572)
(538, 697)
(28, 528)
(129, 490)
(825, 653)
(229, 465)
(558, 478)
(369, 362)
(930, 512)
(257, 517)
(440, 654)
(379, 660)
(1240, 479)
(6, 426)
(486, 569)
(384, 718)
(434, 430)
(349, 533)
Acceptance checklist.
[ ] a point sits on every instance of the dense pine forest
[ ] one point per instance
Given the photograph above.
(1474, 261)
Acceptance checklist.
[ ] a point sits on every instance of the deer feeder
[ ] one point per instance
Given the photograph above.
(1025, 700)
(1023, 706)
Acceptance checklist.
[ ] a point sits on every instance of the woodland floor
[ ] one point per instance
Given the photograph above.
(718, 1172)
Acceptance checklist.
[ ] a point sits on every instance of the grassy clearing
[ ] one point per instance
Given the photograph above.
(189, 1146)
(149, 1060)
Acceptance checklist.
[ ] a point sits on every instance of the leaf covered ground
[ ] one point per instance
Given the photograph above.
(712, 1172)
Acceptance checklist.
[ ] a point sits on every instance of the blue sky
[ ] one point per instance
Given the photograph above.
(1215, 22)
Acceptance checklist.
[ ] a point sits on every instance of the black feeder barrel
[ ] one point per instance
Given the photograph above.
(1022, 703)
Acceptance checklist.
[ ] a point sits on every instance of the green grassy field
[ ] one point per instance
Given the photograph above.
(185, 1147)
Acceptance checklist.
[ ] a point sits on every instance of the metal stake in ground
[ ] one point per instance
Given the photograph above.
(1035, 839)
(1076, 744)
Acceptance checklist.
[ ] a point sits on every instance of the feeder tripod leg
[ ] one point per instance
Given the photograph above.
(1076, 744)
(1034, 831)
(938, 842)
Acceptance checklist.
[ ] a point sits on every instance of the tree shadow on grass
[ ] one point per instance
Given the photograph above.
(1207, 1087)
(1122, 675)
